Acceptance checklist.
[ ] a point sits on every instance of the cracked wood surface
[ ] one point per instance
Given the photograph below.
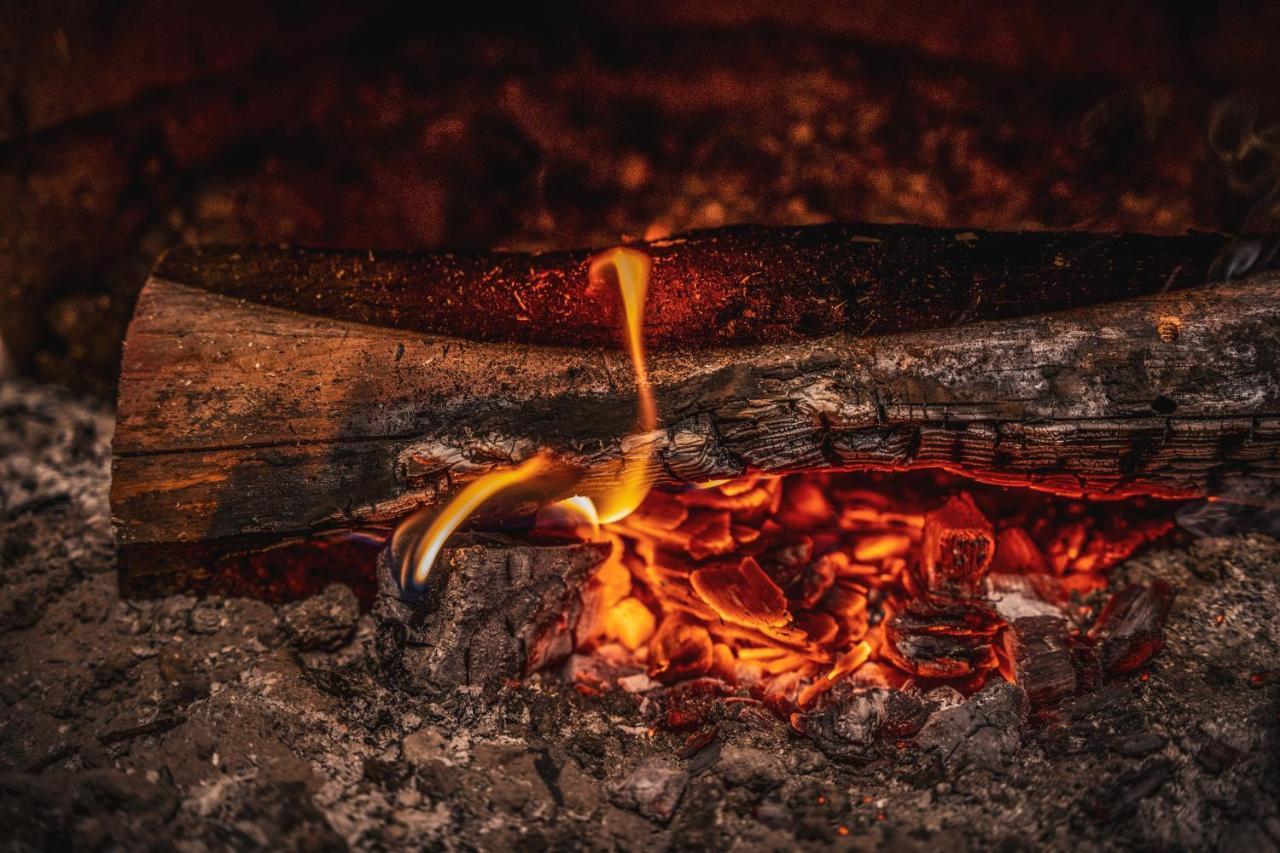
(239, 420)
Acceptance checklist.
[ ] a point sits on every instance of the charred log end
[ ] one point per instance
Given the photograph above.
(1036, 648)
(958, 547)
(942, 639)
(493, 610)
(1130, 628)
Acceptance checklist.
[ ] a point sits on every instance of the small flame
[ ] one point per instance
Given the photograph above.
(631, 268)
(476, 494)
(572, 513)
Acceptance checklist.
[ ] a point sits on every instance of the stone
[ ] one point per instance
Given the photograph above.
(653, 789)
(324, 622)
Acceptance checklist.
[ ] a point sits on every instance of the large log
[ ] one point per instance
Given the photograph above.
(746, 285)
(241, 423)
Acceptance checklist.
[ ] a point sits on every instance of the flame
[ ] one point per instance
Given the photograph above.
(631, 269)
(465, 503)
(572, 513)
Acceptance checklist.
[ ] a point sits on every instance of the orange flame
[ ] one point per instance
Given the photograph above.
(476, 494)
(573, 513)
(631, 268)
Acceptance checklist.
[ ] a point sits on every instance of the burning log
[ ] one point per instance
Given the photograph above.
(269, 394)
(1037, 651)
(958, 547)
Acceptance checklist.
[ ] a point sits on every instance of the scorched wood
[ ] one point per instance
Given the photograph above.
(254, 407)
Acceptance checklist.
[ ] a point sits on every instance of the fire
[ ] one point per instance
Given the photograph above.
(786, 586)
(630, 268)
(441, 527)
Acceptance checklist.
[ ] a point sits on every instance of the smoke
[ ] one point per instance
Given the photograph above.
(1241, 257)
(1246, 505)
(1248, 152)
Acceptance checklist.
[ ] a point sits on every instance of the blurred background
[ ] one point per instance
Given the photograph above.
(130, 127)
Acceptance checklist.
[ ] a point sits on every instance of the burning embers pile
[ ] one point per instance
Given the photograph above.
(786, 586)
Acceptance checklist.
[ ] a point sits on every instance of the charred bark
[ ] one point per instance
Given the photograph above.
(241, 423)
(744, 285)
(493, 610)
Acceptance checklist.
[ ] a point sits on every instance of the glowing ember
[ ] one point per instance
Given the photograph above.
(788, 585)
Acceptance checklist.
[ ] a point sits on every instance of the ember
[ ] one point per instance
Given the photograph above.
(788, 585)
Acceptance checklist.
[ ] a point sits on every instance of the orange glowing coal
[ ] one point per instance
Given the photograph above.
(787, 585)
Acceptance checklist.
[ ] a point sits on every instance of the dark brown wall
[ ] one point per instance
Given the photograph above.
(127, 131)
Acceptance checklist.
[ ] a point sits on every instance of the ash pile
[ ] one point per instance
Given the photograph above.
(233, 722)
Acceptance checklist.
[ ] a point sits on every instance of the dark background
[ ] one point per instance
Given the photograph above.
(130, 127)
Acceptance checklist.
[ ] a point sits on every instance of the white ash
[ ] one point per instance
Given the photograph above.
(145, 722)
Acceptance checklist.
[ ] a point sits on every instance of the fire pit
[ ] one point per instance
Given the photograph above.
(894, 466)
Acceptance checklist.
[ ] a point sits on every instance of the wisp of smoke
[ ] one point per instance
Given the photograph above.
(1247, 504)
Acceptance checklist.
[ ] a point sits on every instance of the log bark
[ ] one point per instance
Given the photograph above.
(241, 423)
(744, 285)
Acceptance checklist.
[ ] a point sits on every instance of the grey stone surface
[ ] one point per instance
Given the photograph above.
(323, 622)
(146, 723)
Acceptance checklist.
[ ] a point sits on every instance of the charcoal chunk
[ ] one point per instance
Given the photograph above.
(1130, 628)
(1121, 798)
(984, 730)
(1037, 649)
(847, 728)
(958, 547)
(493, 609)
(1138, 744)
(1216, 757)
(325, 621)
(942, 639)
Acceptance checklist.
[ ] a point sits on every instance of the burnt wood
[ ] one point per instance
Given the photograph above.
(1036, 649)
(742, 285)
(494, 609)
(244, 421)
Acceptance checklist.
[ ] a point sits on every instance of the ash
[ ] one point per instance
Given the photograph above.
(205, 724)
